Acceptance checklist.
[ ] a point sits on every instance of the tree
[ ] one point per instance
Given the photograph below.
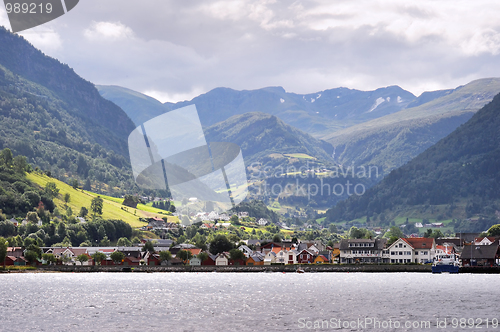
(131, 201)
(105, 241)
(20, 164)
(276, 238)
(3, 250)
(184, 255)
(236, 254)
(67, 197)
(74, 183)
(220, 244)
(96, 206)
(117, 256)
(98, 257)
(123, 242)
(51, 190)
(165, 256)
(32, 216)
(494, 230)
(83, 212)
(31, 256)
(82, 258)
(203, 256)
(149, 247)
(6, 157)
(49, 258)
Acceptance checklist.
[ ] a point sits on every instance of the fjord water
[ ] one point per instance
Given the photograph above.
(239, 301)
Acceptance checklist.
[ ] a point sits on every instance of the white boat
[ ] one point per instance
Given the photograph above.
(446, 263)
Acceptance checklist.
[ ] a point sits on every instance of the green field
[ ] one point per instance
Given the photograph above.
(112, 207)
(298, 155)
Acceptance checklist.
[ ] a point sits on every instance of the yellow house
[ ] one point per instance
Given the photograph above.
(320, 260)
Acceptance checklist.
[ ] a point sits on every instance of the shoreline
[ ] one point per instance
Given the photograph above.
(250, 269)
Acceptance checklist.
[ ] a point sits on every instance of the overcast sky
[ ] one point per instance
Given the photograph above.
(176, 49)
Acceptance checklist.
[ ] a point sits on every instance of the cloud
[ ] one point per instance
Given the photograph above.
(108, 31)
(177, 49)
(44, 38)
(4, 19)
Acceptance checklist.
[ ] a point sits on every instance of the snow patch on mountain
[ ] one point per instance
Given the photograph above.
(379, 101)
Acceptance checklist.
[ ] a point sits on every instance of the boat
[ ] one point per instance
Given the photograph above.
(446, 263)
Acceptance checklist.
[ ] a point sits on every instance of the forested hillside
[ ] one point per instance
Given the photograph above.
(59, 121)
(461, 169)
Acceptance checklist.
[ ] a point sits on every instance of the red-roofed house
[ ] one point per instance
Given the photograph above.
(412, 250)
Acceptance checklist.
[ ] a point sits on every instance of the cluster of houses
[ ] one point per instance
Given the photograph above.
(479, 251)
(475, 251)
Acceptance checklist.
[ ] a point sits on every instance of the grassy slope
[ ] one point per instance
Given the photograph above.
(111, 208)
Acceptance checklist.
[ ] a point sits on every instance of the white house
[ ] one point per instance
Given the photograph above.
(222, 259)
(195, 261)
(262, 222)
(270, 258)
(416, 250)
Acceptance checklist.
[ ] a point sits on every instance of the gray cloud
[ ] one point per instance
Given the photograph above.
(178, 49)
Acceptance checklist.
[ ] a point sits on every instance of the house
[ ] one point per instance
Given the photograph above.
(15, 251)
(183, 246)
(336, 253)
(194, 251)
(262, 222)
(246, 250)
(485, 241)
(480, 255)
(305, 257)
(321, 259)
(412, 250)
(291, 256)
(281, 256)
(195, 261)
(255, 259)
(222, 259)
(152, 259)
(133, 261)
(210, 260)
(361, 250)
(16, 261)
(270, 258)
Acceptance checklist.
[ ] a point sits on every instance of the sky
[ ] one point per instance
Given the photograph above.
(174, 50)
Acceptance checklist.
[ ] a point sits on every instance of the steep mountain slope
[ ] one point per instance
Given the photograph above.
(463, 168)
(260, 135)
(59, 120)
(316, 113)
(139, 107)
(392, 140)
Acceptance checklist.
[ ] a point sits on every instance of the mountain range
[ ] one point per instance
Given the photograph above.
(386, 127)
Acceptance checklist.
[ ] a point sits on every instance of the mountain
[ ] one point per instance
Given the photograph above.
(316, 113)
(460, 172)
(392, 140)
(261, 135)
(58, 120)
(139, 107)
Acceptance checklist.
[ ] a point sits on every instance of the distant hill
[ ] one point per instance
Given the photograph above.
(461, 169)
(394, 139)
(58, 120)
(260, 135)
(139, 107)
(316, 113)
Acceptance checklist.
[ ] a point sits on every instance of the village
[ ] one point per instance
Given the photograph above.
(470, 250)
